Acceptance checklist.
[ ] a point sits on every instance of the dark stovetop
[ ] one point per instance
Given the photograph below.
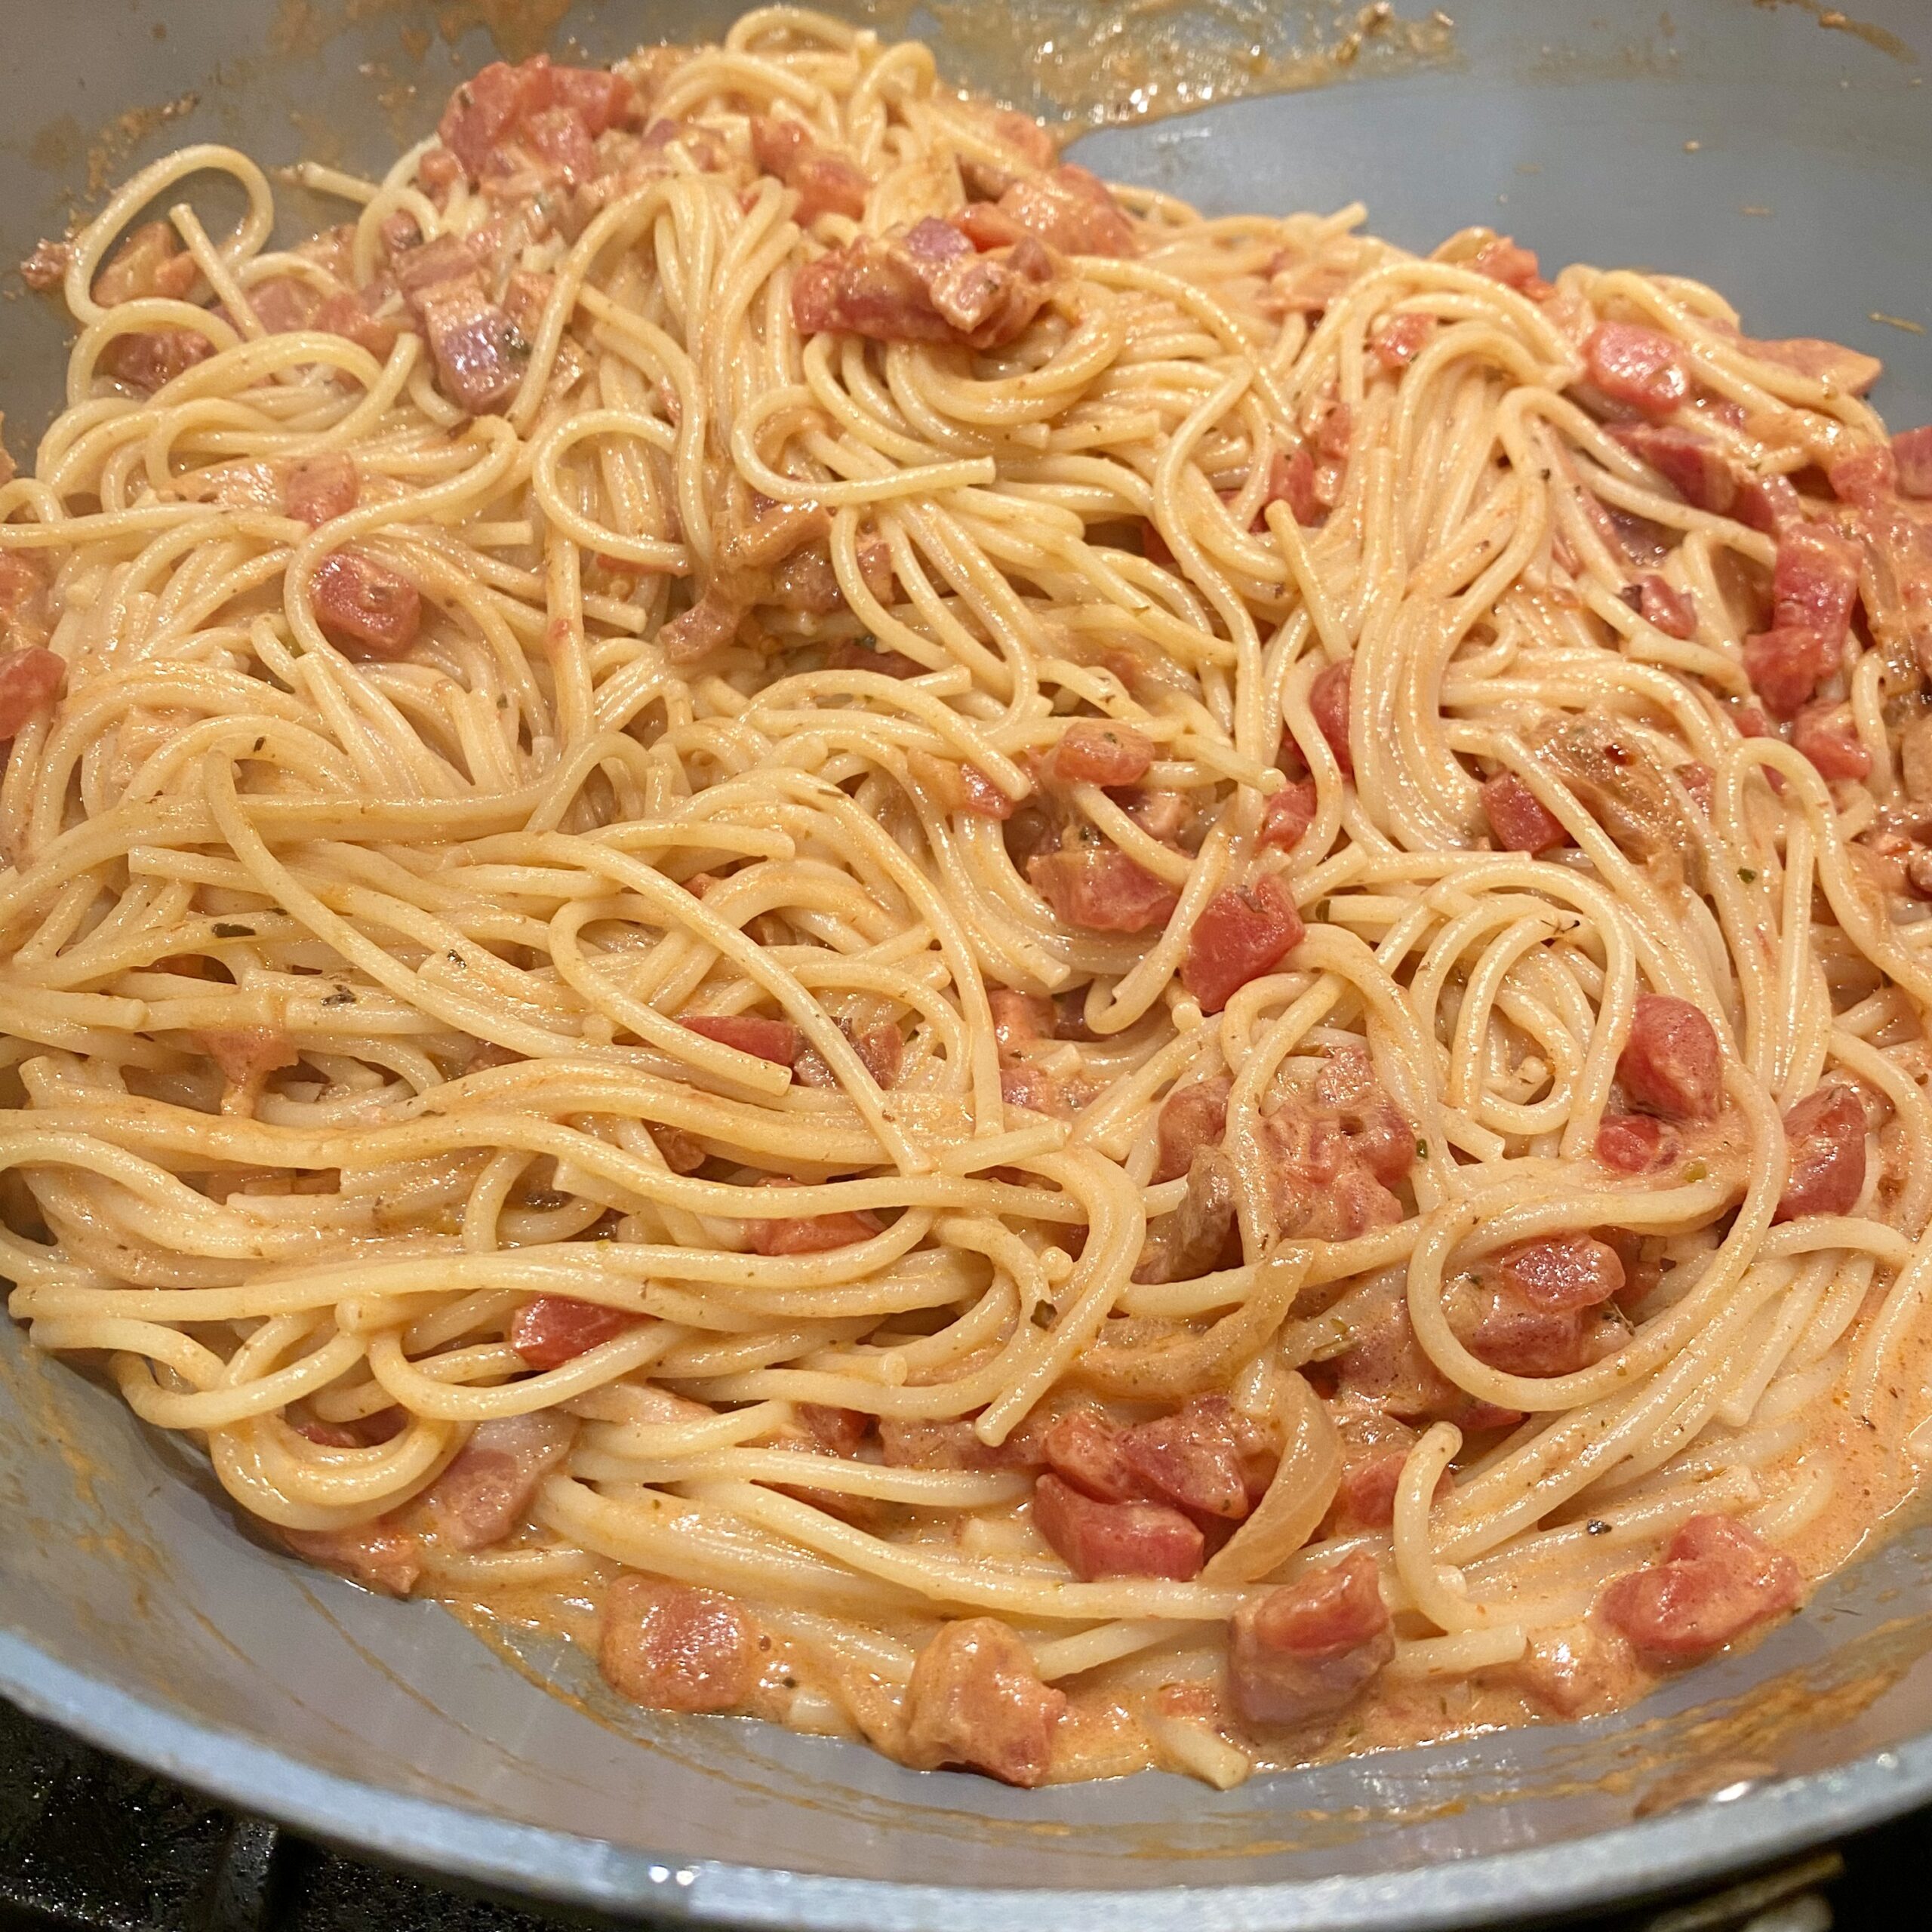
(90, 1844)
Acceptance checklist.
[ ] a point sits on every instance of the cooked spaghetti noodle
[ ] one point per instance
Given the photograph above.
(1072, 985)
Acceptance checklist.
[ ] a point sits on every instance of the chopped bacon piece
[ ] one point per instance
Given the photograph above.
(349, 313)
(1829, 362)
(1825, 1133)
(282, 303)
(882, 1050)
(1335, 432)
(379, 1556)
(1241, 933)
(1207, 1458)
(1116, 1539)
(1867, 475)
(1518, 820)
(1375, 1450)
(1291, 480)
(954, 1444)
(1348, 1092)
(1519, 1337)
(361, 602)
(148, 359)
(1328, 699)
(1401, 338)
(47, 267)
(1191, 1117)
(1660, 602)
(1021, 1020)
(1784, 666)
(826, 183)
(1099, 888)
(1672, 1064)
(365, 1433)
(1560, 1271)
(247, 1055)
(1911, 457)
(31, 682)
(1687, 460)
(1092, 752)
(1084, 1448)
(483, 111)
(556, 136)
(1825, 734)
(549, 1331)
(1070, 209)
(1635, 1143)
(777, 1041)
(815, 1234)
(1319, 1188)
(670, 1647)
(1717, 1580)
(600, 98)
(928, 284)
(1288, 813)
(317, 489)
(1384, 1367)
(480, 355)
(1199, 1234)
(1502, 260)
(1815, 582)
(839, 1430)
(710, 621)
(1638, 367)
(486, 1492)
(1309, 1647)
(976, 1699)
(682, 1154)
(151, 262)
(526, 298)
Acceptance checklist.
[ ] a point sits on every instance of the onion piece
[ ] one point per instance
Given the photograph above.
(1305, 1480)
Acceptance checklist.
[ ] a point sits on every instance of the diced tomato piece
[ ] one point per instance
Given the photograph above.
(1825, 1133)
(1206, 1458)
(1672, 1064)
(1639, 367)
(1241, 933)
(1085, 1449)
(1518, 820)
(549, 1331)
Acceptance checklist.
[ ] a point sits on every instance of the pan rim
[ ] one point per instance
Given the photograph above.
(1675, 1849)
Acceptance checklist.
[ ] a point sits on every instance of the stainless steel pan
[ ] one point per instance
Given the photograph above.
(134, 1611)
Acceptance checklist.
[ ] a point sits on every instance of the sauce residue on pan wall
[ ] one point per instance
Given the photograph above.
(1140, 59)
(1837, 21)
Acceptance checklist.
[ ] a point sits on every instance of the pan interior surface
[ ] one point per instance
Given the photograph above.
(1781, 159)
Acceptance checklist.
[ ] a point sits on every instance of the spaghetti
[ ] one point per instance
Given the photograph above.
(976, 963)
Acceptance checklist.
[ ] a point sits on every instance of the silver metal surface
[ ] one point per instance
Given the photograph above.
(135, 1610)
